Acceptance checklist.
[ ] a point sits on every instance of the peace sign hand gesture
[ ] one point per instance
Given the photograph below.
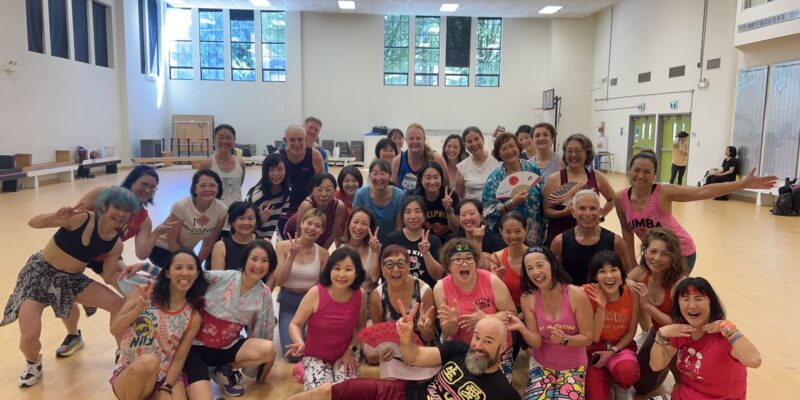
(294, 246)
(496, 266)
(374, 242)
(405, 325)
(265, 211)
(425, 322)
(145, 293)
(447, 200)
(425, 245)
(65, 213)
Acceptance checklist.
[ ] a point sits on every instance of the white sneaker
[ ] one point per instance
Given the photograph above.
(31, 374)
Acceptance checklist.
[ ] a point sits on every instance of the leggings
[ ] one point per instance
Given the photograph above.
(650, 380)
(288, 307)
(678, 171)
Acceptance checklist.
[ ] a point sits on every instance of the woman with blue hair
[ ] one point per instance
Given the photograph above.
(54, 276)
(142, 181)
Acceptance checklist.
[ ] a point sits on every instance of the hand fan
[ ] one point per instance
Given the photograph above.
(382, 332)
(515, 183)
(564, 193)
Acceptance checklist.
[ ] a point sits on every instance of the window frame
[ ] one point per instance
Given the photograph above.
(478, 50)
(234, 44)
(464, 75)
(418, 49)
(202, 42)
(173, 45)
(267, 43)
(387, 49)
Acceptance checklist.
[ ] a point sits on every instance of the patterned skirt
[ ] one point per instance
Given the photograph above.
(545, 383)
(43, 283)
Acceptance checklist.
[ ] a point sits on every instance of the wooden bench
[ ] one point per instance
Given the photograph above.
(759, 192)
(10, 178)
(84, 168)
(62, 168)
(194, 160)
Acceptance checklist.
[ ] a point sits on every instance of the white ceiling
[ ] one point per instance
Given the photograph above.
(476, 8)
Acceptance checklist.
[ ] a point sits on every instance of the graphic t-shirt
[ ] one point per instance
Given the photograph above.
(708, 370)
(417, 267)
(195, 225)
(455, 382)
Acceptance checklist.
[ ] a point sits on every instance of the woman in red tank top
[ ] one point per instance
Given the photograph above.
(612, 355)
(660, 269)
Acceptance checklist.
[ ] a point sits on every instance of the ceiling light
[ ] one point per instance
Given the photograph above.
(550, 10)
(347, 5)
(260, 3)
(448, 7)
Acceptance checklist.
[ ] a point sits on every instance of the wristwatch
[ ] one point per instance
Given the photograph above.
(565, 341)
(354, 348)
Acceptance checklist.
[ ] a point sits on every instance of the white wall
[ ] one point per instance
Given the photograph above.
(641, 41)
(52, 103)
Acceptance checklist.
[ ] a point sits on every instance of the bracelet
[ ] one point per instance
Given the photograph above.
(661, 339)
(155, 271)
(727, 329)
(735, 337)
(565, 341)
(509, 205)
(165, 388)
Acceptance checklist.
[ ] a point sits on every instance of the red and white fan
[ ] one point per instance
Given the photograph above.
(516, 183)
(384, 332)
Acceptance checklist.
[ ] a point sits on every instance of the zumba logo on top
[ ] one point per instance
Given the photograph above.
(643, 223)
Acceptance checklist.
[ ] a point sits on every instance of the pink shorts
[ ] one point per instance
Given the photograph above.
(625, 354)
(369, 389)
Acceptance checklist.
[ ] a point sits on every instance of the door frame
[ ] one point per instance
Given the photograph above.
(660, 137)
(631, 129)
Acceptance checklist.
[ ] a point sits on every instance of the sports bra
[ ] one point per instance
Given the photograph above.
(71, 242)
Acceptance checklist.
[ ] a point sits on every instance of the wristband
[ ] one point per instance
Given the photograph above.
(155, 271)
(661, 339)
(727, 329)
(735, 337)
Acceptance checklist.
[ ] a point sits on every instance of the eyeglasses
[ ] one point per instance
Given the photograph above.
(147, 186)
(397, 264)
(462, 260)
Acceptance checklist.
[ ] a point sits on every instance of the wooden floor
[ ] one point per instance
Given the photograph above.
(751, 258)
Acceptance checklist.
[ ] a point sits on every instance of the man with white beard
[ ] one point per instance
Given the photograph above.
(467, 371)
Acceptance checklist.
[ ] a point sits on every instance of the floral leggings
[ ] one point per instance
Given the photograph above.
(317, 372)
(545, 383)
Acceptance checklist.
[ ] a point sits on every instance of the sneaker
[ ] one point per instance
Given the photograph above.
(31, 374)
(228, 379)
(70, 345)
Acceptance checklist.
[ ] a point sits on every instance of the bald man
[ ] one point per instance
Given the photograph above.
(302, 162)
(467, 371)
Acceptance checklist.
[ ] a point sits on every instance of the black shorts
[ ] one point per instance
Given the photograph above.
(160, 256)
(202, 357)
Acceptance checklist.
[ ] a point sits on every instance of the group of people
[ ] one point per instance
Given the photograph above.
(469, 275)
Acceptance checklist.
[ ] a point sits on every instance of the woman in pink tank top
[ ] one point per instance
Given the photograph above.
(646, 205)
(335, 311)
(558, 327)
(467, 294)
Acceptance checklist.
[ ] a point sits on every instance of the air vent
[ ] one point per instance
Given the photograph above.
(675, 72)
(644, 77)
(713, 64)
(613, 81)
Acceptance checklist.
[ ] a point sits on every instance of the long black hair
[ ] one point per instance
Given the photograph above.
(272, 257)
(420, 190)
(272, 161)
(602, 258)
(194, 295)
(699, 285)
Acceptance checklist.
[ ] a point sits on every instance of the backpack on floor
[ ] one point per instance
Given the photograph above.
(784, 206)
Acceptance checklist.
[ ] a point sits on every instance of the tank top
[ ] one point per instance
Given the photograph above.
(389, 313)
(155, 331)
(71, 242)
(231, 181)
(512, 279)
(330, 329)
(555, 355)
(652, 217)
(481, 295)
(475, 176)
(304, 276)
(299, 175)
(233, 253)
(577, 256)
(567, 222)
(666, 302)
(618, 315)
(550, 168)
(406, 175)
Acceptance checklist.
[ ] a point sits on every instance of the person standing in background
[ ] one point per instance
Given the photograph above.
(680, 157)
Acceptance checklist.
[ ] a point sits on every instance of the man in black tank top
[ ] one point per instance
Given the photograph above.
(302, 162)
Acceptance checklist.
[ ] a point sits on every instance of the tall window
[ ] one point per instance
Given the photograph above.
(100, 34)
(80, 30)
(456, 68)
(273, 46)
(243, 46)
(59, 38)
(490, 32)
(395, 50)
(179, 33)
(153, 37)
(426, 51)
(212, 50)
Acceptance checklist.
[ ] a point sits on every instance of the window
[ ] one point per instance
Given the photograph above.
(487, 63)
(179, 34)
(456, 69)
(100, 34)
(395, 50)
(426, 51)
(243, 47)
(80, 30)
(752, 3)
(212, 50)
(59, 38)
(35, 17)
(153, 38)
(273, 46)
